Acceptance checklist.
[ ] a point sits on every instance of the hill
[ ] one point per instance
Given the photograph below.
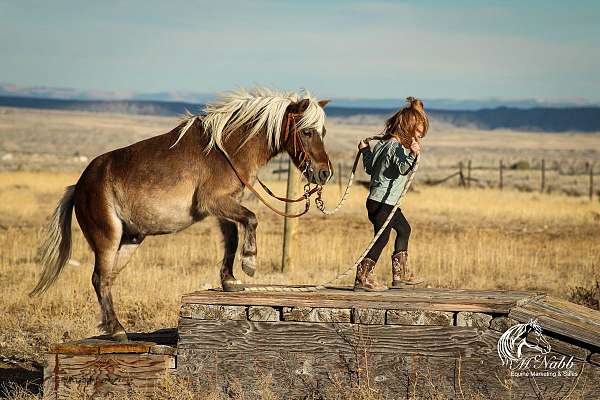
(542, 119)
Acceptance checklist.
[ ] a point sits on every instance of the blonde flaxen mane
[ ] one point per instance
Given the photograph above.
(259, 110)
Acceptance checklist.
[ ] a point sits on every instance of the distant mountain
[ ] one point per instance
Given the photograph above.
(9, 90)
(42, 92)
(583, 119)
(466, 105)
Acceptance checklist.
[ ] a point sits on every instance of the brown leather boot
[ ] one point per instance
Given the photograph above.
(401, 274)
(365, 278)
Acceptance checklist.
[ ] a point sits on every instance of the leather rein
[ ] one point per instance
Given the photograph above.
(291, 120)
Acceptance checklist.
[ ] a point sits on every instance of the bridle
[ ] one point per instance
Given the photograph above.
(308, 191)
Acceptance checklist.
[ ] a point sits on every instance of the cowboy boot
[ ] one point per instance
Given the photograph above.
(365, 278)
(401, 274)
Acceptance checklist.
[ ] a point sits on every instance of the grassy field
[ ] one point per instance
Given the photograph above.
(478, 238)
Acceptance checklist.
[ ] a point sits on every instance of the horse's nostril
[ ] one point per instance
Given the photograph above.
(324, 174)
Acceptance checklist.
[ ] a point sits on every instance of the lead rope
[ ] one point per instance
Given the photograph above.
(319, 201)
(344, 274)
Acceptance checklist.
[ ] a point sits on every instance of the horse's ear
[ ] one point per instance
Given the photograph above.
(323, 103)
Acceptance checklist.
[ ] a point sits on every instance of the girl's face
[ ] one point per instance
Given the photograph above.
(419, 132)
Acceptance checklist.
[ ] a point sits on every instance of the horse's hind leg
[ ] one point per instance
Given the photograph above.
(104, 230)
(107, 266)
(103, 279)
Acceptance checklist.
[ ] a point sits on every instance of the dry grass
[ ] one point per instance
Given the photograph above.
(478, 238)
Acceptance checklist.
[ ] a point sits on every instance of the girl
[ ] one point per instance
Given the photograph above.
(391, 160)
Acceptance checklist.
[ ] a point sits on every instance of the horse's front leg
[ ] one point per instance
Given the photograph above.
(230, 238)
(232, 210)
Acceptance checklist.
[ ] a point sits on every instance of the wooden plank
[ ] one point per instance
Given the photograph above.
(406, 292)
(85, 376)
(427, 293)
(129, 347)
(413, 299)
(165, 336)
(300, 374)
(562, 317)
(100, 346)
(560, 346)
(335, 338)
(75, 348)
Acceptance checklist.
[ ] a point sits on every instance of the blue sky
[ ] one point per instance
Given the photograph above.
(431, 49)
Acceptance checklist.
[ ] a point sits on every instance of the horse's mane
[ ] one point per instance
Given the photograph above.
(258, 109)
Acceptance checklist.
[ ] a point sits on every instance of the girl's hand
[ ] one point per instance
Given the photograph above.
(362, 144)
(415, 146)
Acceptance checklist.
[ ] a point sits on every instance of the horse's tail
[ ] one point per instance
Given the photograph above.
(55, 250)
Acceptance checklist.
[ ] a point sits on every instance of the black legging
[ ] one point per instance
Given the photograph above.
(378, 213)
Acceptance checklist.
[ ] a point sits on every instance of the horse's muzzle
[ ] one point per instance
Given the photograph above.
(323, 176)
(319, 176)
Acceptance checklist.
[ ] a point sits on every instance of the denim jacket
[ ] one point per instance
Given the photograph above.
(388, 164)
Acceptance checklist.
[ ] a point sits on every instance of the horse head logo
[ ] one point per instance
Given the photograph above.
(511, 343)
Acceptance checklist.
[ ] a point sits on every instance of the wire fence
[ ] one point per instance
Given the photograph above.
(571, 178)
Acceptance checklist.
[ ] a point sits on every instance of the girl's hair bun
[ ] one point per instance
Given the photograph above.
(414, 103)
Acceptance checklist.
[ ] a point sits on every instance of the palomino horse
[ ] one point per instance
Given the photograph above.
(166, 183)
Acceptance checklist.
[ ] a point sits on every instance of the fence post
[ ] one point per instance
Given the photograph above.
(501, 185)
(340, 173)
(591, 182)
(279, 162)
(461, 176)
(469, 173)
(543, 176)
(289, 224)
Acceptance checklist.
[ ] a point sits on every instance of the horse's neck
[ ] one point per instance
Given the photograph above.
(252, 156)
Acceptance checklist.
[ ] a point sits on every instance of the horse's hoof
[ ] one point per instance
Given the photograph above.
(249, 265)
(232, 286)
(120, 337)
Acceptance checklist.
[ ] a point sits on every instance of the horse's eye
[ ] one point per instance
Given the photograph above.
(307, 132)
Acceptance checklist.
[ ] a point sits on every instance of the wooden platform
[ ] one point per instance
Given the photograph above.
(95, 367)
(414, 342)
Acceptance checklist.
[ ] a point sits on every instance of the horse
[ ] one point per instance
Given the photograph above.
(511, 343)
(168, 182)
